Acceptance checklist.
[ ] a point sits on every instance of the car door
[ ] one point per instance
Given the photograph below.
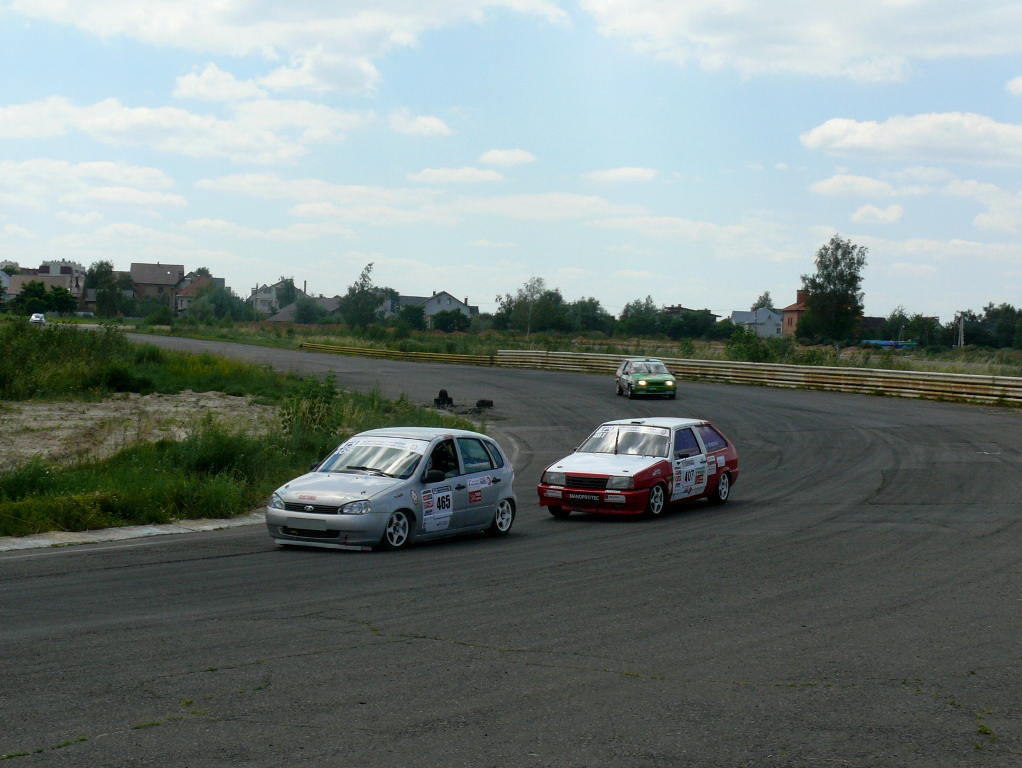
(689, 460)
(715, 445)
(479, 482)
(622, 372)
(443, 501)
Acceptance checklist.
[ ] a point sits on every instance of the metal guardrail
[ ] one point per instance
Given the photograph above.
(878, 381)
(872, 381)
(389, 354)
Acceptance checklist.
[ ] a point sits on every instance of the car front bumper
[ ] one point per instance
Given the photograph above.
(631, 502)
(319, 530)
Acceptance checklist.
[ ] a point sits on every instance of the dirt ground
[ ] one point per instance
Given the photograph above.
(67, 431)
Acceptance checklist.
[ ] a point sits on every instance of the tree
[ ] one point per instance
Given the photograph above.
(33, 298)
(413, 316)
(62, 300)
(640, 318)
(361, 304)
(448, 320)
(11, 270)
(834, 306)
(308, 311)
(203, 272)
(286, 292)
(518, 310)
(587, 314)
(763, 302)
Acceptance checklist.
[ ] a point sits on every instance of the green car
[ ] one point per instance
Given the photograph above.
(645, 376)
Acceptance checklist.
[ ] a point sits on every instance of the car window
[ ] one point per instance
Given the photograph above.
(712, 439)
(495, 455)
(376, 455)
(627, 439)
(657, 367)
(474, 455)
(685, 443)
(443, 459)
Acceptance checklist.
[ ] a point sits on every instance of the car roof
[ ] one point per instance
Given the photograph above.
(644, 360)
(419, 433)
(657, 421)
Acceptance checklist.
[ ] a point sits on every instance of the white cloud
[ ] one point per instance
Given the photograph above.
(402, 121)
(316, 191)
(548, 205)
(327, 45)
(294, 232)
(491, 244)
(36, 184)
(1014, 86)
(848, 185)
(867, 40)
(615, 175)
(507, 157)
(261, 131)
(213, 84)
(80, 219)
(870, 214)
(945, 137)
(454, 175)
(1004, 208)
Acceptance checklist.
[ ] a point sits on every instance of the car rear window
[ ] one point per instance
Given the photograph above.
(713, 440)
(498, 459)
(474, 455)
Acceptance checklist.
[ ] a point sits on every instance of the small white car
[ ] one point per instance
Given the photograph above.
(388, 487)
(38, 318)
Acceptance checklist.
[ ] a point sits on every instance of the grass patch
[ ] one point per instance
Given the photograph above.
(217, 471)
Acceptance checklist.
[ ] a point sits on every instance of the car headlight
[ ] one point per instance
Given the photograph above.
(360, 507)
(619, 483)
(669, 383)
(642, 382)
(276, 502)
(553, 478)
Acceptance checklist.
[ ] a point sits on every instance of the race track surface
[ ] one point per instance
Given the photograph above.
(858, 603)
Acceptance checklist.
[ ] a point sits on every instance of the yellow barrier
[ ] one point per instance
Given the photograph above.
(924, 384)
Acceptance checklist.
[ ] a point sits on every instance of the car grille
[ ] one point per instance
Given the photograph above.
(574, 481)
(321, 509)
(304, 533)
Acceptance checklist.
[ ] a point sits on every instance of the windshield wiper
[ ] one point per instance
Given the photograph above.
(374, 470)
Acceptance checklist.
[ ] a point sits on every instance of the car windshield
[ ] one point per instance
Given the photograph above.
(654, 366)
(628, 439)
(383, 456)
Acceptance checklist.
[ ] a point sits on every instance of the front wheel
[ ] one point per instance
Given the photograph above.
(630, 392)
(672, 395)
(723, 491)
(657, 501)
(503, 518)
(398, 532)
(559, 512)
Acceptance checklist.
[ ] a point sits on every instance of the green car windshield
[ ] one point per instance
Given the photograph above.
(629, 440)
(650, 367)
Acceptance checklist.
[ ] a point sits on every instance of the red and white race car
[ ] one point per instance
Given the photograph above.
(639, 466)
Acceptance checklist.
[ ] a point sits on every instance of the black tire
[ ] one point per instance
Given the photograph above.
(672, 395)
(559, 512)
(503, 518)
(618, 388)
(657, 502)
(631, 392)
(723, 490)
(398, 533)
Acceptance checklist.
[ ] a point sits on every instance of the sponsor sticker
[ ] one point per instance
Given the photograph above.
(474, 497)
(585, 496)
(480, 482)
(415, 497)
(306, 497)
(437, 506)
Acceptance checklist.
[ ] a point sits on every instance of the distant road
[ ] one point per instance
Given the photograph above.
(857, 603)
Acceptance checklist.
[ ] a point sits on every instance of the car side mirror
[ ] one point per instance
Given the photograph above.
(434, 476)
(314, 466)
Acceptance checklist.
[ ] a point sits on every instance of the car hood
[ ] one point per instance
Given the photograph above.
(336, 487)
(604, 463)
(653, 376)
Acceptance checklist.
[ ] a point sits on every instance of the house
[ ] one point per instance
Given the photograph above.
(790, 315)
(5, 280)
(287, 315)
(73, 283)
(439, 302)
(677, 309)
(156, 281)
(190, 292)
(265, 299)
(766, 323)
(62, 267)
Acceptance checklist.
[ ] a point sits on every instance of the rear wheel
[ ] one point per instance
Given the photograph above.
(398, 532)
(723, 490)
(559, 512)
(503, 518)
(657, 501)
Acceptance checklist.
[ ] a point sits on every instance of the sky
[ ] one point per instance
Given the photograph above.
(699, 152)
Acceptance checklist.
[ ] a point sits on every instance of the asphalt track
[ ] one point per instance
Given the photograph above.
(857, 603)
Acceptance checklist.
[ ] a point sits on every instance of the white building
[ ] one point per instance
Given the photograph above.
(766, 323)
